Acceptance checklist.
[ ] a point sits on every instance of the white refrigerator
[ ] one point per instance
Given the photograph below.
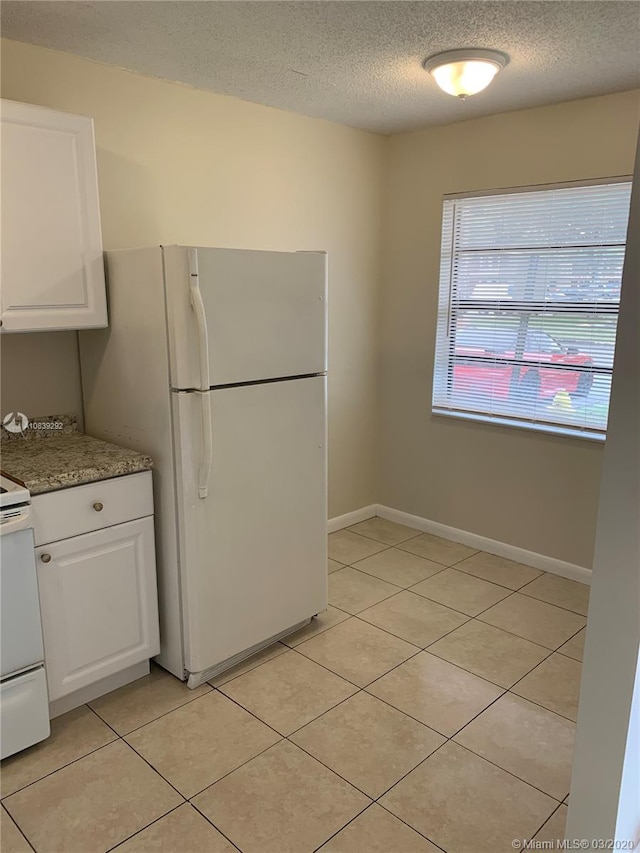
(215, 364)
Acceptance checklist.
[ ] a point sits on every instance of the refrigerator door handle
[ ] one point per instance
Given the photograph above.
(201, 319)
(207, 445)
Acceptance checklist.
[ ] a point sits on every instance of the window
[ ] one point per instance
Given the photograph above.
(528, 308)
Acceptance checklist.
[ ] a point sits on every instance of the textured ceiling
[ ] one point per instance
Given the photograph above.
(358, 63)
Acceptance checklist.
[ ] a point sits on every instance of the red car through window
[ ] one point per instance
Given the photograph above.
(486, 363)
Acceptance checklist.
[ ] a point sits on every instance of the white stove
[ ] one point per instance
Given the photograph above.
(24, 704)
(12, 493)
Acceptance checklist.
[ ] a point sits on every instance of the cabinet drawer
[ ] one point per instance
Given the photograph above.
(82, 509)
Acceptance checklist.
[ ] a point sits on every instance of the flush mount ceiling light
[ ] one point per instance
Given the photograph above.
(465, 72)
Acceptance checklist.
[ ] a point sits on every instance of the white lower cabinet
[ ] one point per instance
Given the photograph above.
(99, 604)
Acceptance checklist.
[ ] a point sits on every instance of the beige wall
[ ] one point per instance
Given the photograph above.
(182, 165)
(40, 374)
(532, 490)
(607, 747)
(178, 165)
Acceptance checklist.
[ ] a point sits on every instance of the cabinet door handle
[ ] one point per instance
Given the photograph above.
(46, 558)
(98, 506)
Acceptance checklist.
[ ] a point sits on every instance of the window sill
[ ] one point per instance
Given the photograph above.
(514, 423)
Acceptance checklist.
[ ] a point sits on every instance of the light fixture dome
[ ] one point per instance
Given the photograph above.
(465, 72)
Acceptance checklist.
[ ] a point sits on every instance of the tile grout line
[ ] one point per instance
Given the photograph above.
(547, 820)
(376, 800)
(411, 588)
(551, 604)
(384, 547)
(19, 828)
(92, 752)
(315, 758)
(153, 719)
(459, 612)
(257, 666)
(349, 822)
(373, 801)
(191, 798)
(395, 666)
(450, 541)
(469, 574)
(450, 739)
(142, 829)
(398, 637)
(384, 580)
(540, 601)
(155, 770)
(501, 687)
(515, 776)
(398, 545)
(122, 738)
(447, 737)
(424, 649)
(319, 717)
(335, 772)
(62, 767)
(577, 612)
(287, 737)
(402, 820)
(185, 799)
(469, 619)
(421, 648)
(352, 527)
(332, 770)
(468, 557)
(550, 652)
(366, 687)
(482, 758)
(356, 568)
(211, 823)
(544, 707)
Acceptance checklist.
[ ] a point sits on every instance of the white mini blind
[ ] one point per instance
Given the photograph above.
(528, 306)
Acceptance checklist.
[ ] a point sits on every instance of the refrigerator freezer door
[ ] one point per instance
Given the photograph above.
(265, 315)
(253, 552)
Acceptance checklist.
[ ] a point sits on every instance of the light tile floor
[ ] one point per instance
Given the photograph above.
(430, 708)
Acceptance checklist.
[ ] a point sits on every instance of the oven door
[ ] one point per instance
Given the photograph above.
(20, 626)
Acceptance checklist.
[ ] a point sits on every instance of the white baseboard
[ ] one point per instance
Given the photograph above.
(349, 518)
(482, 543)
(473, 540)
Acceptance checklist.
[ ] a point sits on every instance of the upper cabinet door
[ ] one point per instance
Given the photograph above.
(52, 264)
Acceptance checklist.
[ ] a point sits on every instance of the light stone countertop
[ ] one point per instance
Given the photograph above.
(47, 460)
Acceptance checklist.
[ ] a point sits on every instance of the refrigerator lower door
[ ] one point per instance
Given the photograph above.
(253, 551)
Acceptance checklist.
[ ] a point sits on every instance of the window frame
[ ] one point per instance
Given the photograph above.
(446, 289)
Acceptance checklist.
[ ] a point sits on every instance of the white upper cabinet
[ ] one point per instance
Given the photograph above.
(52, 264)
